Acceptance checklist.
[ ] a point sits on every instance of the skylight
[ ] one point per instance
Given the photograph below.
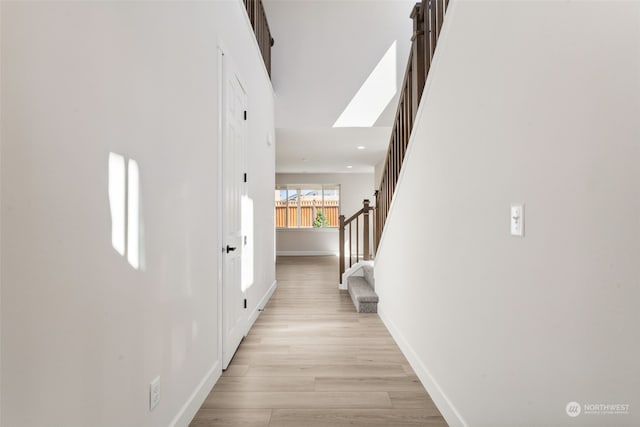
(374, 94)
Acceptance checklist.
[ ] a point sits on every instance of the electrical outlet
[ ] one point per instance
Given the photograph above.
(154, 393)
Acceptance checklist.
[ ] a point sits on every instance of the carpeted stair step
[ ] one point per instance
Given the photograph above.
(362, 294)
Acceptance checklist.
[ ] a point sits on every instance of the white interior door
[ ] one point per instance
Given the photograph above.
(234, 319)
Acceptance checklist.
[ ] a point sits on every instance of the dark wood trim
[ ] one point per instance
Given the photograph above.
(428, 18)
(365, 231)
(260, 25)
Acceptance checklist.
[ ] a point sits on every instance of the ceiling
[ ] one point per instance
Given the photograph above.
(324, 52)
(330, 150)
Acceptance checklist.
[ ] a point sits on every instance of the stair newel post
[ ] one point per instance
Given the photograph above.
(365, 230)
(377, 225)
(341, 248)
(357, 238)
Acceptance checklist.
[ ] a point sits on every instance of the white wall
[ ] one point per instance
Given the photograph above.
(537, 103)
(378, 172)
(83, 333)
(261, 182)
(330, 150)
(307, 242)
(354, 188)
(312, 95)
(0, 227)
(310, 50)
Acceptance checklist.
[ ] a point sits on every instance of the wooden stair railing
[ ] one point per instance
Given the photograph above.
(366, 236)
(258, 19)
(428, 16)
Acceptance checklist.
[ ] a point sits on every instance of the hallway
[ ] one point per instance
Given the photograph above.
(311, 360)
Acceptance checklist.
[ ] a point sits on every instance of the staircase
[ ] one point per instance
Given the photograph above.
(428, 17)
(362, 289)
(356, 239)
(356, 234)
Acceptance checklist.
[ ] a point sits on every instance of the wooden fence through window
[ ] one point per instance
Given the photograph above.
(308, 212)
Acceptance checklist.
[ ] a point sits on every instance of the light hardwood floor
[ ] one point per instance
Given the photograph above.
(311, 360)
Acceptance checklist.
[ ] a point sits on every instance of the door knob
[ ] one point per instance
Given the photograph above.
(231, 248)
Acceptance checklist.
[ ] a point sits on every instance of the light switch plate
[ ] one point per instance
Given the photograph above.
(517, 220)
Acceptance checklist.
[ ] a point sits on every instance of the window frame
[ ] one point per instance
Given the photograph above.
(291, 189)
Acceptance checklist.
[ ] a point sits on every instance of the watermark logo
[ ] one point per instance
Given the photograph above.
(573, 409)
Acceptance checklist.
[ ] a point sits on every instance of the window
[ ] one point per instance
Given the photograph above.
(307, 206)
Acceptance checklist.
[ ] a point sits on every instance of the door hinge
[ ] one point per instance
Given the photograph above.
(245, 303)
(245, 114)
(245, 177)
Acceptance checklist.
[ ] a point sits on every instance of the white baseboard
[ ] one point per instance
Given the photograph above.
(265, 299)
(305, 253)
(446, 408)
(195, 401)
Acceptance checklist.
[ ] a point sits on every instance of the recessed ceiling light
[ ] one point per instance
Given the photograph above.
(349, 167)
(361, 147)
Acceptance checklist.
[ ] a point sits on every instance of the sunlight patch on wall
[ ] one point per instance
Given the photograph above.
(124, 202)
(374, 95)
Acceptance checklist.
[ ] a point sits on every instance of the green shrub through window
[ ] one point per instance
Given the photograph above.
(307, 206)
